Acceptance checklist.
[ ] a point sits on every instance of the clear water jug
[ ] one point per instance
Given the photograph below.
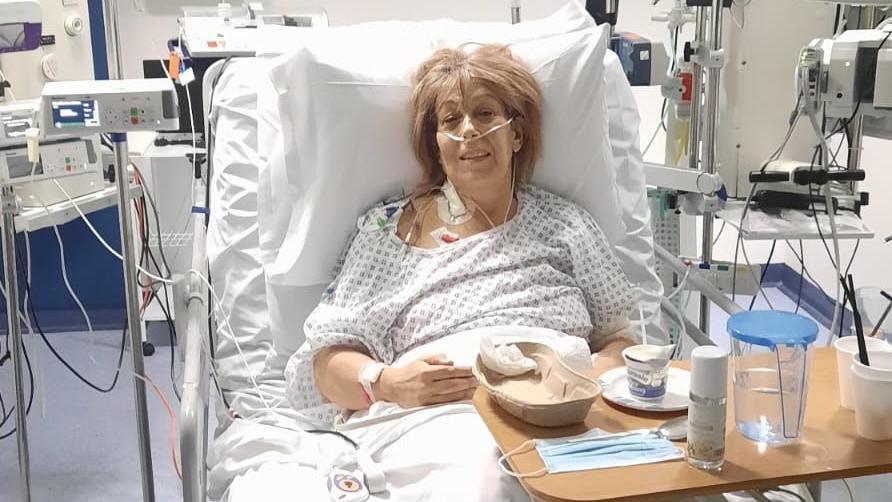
(771, 361)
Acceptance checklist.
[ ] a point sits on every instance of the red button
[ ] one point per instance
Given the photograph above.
(134, 121)
(68, 168)
(212, 43)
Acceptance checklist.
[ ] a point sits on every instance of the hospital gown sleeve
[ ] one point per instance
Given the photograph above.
(598, 273)
(348, 315)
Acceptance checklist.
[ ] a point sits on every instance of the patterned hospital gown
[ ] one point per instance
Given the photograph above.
(550, 266)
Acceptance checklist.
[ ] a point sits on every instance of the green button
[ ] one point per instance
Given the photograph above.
(68, 160)
(134, 111)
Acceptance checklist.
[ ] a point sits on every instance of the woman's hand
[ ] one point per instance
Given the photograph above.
(610, 356)
(426, 381)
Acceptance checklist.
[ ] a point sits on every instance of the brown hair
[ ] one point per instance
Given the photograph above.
(493, 66)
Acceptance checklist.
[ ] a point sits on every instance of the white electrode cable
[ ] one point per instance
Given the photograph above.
(8, 89)
(71, 292)
(811, 111)
(102, 241)
(755, 277)
(231, 333)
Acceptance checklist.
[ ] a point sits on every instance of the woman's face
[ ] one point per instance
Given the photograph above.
(480, 159)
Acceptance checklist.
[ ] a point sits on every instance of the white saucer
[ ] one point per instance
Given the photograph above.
(616, 390)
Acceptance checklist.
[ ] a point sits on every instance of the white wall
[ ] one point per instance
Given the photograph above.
(146, 25)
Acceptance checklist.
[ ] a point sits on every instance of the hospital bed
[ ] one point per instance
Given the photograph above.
(262, 263)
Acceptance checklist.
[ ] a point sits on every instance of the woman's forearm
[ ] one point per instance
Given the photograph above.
(610, 353)
(337, 376)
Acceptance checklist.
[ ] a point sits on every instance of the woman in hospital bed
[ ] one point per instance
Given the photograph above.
(475, 246)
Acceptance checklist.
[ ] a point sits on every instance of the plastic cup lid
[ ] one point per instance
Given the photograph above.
(769, 328)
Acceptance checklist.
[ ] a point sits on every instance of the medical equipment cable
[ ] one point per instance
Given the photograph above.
(147, 253)
(231, 333)
(333, 433)
(764, 271)
(35, 323)
(30, 394)
(800, 258)
(848, 489)
(663, 108)
(101, 239)
(831, 212)
(758, 282)
(680, 286)
(208, 176)
(93, 386)
(147, 195)
(779, 489)
(8, 89)
(719, 235)
(801, 275)
(173, 340)
(68, 287)
(792, 122)
(65, 362)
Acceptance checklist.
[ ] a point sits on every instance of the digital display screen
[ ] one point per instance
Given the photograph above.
(16, 128)
(82, 113)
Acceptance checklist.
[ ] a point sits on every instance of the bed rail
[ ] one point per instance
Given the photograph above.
(193, 423)
(697, 283)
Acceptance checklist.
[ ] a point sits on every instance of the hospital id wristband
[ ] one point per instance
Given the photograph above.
(369, 374)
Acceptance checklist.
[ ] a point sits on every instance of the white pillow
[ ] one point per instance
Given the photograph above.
(343, 99)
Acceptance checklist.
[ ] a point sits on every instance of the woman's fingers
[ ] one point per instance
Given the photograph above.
(436, 373)
(463, 395)
(437, 359)
(453, 385)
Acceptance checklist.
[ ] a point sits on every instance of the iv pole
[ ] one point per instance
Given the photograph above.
(122, 179)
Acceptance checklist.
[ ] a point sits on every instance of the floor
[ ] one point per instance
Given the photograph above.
(83, 443)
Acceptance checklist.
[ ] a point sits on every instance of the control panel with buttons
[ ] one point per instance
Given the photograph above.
(109, 106)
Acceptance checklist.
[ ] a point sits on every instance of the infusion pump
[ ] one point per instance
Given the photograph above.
(76, 159)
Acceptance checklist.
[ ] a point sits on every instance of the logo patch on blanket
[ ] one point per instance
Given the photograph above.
(345, 482)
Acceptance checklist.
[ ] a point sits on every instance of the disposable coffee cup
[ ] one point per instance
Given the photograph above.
(845, 348)
(872, 389)
(647, 369)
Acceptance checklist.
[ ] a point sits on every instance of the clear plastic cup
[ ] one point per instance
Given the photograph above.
(770, 373)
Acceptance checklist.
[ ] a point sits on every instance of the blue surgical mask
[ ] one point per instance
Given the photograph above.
(597, 450)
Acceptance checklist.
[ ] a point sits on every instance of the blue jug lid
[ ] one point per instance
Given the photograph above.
(769, 328)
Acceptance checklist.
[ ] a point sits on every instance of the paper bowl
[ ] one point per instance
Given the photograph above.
(551, 396)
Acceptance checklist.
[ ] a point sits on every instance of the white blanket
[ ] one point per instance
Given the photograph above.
(443, 453)
(431, 453)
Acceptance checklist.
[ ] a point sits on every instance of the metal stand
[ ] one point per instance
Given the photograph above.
(14, 334)
(867, 19)
(714, 60)
(122, 180)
